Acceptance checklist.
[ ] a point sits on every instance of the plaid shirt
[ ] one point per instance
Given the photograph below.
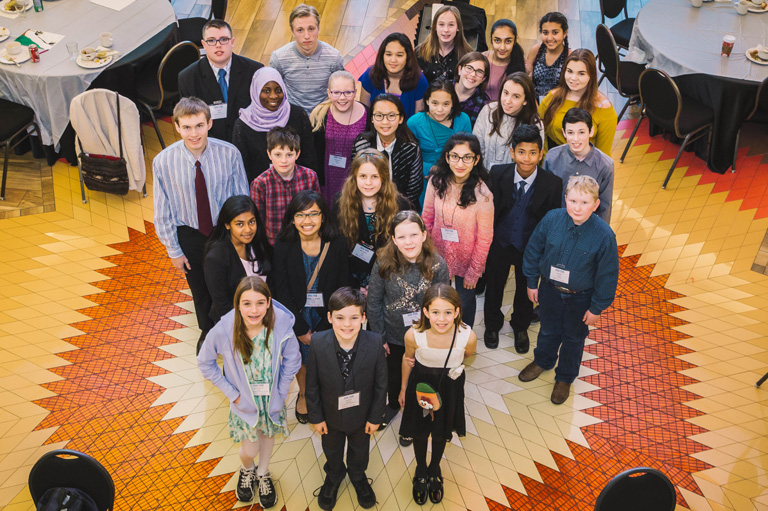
(272, 194)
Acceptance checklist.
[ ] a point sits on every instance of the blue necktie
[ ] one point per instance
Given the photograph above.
(520, 190)
(223, 84)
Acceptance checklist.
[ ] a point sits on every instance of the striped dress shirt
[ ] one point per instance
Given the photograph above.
(174, 186)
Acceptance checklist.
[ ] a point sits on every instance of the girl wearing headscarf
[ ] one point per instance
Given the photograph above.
(270, 108)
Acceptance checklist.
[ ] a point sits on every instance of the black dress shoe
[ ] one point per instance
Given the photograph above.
(420, 490)
(435, 489)
(365, 495)
(326, 498)
(522, 343)
(303, 418)
(491, 339)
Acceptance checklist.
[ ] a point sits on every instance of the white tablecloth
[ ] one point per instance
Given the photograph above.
(681, 39)
(49, 86)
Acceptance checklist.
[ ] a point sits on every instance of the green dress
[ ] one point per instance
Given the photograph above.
(259, 370)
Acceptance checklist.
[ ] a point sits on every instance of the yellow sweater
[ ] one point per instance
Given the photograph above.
(603, 119)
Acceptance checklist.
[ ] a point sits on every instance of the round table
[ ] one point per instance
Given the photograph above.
(685, 42)
(49, 85)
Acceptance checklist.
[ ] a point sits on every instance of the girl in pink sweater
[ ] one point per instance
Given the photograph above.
(458, 213)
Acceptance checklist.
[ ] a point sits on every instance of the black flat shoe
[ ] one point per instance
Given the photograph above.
(435, 489)
(405, 441)
(303, 418)
(420, 490)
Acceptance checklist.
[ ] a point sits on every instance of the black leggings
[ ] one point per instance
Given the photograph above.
(420, 450)
(395, 374)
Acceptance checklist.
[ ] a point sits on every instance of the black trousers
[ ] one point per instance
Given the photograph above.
(394, 374)
(357, 443)
(496, 272)
(192, 243)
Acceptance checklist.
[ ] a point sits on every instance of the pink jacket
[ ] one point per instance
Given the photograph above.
(473, 224)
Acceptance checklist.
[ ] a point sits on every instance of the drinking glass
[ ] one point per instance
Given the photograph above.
(21, 7)
(72, 50)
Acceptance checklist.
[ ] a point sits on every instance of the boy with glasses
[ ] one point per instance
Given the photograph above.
(222, 79)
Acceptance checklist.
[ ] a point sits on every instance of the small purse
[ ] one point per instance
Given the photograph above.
(428, 397)
(103, 173)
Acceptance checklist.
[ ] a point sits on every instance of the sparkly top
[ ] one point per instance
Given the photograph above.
(545, 78)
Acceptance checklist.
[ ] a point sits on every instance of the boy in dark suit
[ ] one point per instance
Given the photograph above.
(523, 193)
(346, 390)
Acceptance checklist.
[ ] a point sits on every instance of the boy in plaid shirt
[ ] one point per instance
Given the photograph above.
(273, 190)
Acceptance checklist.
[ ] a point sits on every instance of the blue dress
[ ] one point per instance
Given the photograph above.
(408, 98)
(432, 137)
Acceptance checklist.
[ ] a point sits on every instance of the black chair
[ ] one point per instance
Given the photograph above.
(15, 120)
(624, 76)
(663, 104)
(156, 89)
(622, 31)
(191, 29)
(72, 469)
(638, 489)
(758, 114)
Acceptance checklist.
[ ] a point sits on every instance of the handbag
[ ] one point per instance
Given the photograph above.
(103, 173)
(428, 397)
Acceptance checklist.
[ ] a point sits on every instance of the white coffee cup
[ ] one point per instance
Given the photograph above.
(696, 3)
(758, 3)
(742, 7)
(106, 39)
(13, 48)
(762, 52)
(88, 53)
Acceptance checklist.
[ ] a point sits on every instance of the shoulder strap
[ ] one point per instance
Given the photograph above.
(323, 253)
(442, 373)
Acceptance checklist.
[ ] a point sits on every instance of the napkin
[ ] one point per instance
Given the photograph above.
(43, 40)
(115, 5)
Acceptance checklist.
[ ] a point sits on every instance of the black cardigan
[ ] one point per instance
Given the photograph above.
(253, 144)
(406, 166)
(291, 281)
(223, 271)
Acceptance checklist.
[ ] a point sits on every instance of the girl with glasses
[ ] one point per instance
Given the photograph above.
(336, 123)
(546, 59)
(506, 56)
(442, 119)
(391, 136)
(516, 106)
(470, 83)
(406, 267)
(458, 213)
(310, 264)
(444, 46)
(395, 71)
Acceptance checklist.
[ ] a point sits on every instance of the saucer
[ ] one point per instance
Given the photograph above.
(4, 34)
(19, 59)
(752, 8)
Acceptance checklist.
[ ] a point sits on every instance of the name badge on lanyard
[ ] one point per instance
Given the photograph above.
(349, 400)
(338, 161)
(410, 318)
(260, 389)
(451, 235)
(559, 274)
(363, 253)
(314, 300)
(218, 110)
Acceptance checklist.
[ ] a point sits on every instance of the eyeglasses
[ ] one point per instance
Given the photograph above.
(301, 216)
(467, 158)
(336, 94)
(221, 40)
(472, 70)
(392, 116)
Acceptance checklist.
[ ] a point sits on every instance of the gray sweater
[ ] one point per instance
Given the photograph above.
(389, 299)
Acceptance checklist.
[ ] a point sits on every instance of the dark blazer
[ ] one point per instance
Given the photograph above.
(253, 144)
(547, 192)
(325, 384)
(223, 272)
(198, 80)
(291, 281)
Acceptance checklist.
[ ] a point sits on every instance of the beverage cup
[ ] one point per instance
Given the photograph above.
(762, 52)
(106, 39)
(13, 48)
(72, 50)
(742, 7)
(88, 53)
(758, 3)
(696, 3)
(728, 42)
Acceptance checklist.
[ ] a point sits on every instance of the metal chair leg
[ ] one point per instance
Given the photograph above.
(631, 137)
(82, 186)
(601, 80)
(761, 380)
(674, 163)
(626, 105)
(144, 190)
(154, 123)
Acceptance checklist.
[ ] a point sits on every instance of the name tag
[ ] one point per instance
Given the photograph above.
(337, 161)
(349, 400)
(218, 110)
(314, 300)
(260, 389)
(410, 318)
(559, 275)
(451, 235)
(363, 253)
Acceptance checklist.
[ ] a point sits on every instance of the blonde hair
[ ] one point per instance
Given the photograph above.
(302, 11)
(319, 114)
(583, 184)
(429, 49)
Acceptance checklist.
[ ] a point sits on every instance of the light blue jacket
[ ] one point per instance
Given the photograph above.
(286, 362)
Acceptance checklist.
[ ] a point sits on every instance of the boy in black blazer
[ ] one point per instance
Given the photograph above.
(346, 391)
(523, 193)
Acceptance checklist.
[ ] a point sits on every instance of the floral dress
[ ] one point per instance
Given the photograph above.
(258, 370)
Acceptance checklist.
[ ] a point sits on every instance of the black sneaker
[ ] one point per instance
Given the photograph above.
(326, 495)
(365, 495)
(267, 493)
(245, 484)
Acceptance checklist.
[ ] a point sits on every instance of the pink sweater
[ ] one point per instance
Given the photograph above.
(474, 225)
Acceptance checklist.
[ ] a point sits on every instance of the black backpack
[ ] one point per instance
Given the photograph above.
(66, 499)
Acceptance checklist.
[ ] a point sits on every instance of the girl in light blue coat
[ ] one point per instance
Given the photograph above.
(261, 357)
